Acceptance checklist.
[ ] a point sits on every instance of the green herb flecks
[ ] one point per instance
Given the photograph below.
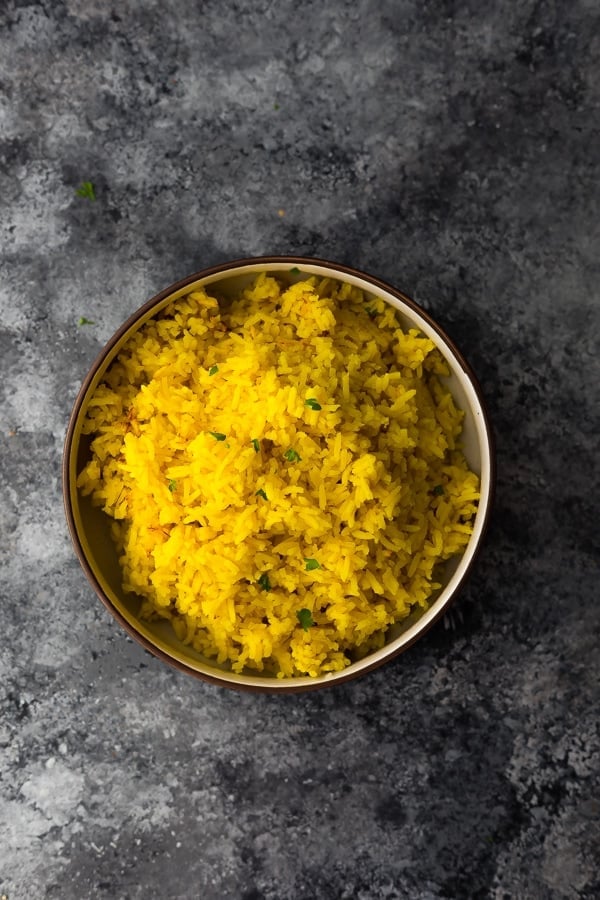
(86, 190)
(371, 312)
(172, 485)
(292, 456)
(218, 435)
(295, 271)
(261, 493)
(312, 564)
(213, 370)
(84, 321)
(438, 490)
(256, 444)
(313, 404)
(264, 583)
(305, 618)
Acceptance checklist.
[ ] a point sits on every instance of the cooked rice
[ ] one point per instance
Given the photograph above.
(284, 473)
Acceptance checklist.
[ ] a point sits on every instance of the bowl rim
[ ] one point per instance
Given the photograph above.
(271, 685)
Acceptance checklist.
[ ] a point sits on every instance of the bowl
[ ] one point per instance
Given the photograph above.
(90, 527)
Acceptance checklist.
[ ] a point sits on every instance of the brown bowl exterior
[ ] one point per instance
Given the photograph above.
(91, 541)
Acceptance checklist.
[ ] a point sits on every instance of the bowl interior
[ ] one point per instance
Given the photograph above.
(91, 527)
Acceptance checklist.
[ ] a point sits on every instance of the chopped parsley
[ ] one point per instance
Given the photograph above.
(264, 582)
(292, 456)
(295, 271)
(438, 490)
(305, 618)
(172, 485)
(371, 312)
(86, 190)
(261, 493)
(213, 370)
(84, 321)
(312, 564)
(276, 106)
(256, 444)
(218, 435)
(313, 404)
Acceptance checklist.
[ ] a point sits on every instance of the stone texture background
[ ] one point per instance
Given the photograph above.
(452, 149)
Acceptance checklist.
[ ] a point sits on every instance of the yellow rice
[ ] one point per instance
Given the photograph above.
(362, 491)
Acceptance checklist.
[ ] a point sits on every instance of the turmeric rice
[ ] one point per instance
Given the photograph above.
(283, 472)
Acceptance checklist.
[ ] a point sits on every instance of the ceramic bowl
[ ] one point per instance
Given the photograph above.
(89, 526)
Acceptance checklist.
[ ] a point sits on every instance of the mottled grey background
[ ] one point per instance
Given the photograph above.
(452, 149)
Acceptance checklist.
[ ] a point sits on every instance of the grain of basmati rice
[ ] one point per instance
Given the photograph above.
(224, 482)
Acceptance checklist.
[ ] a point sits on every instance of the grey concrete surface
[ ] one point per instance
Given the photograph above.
(452, 149)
